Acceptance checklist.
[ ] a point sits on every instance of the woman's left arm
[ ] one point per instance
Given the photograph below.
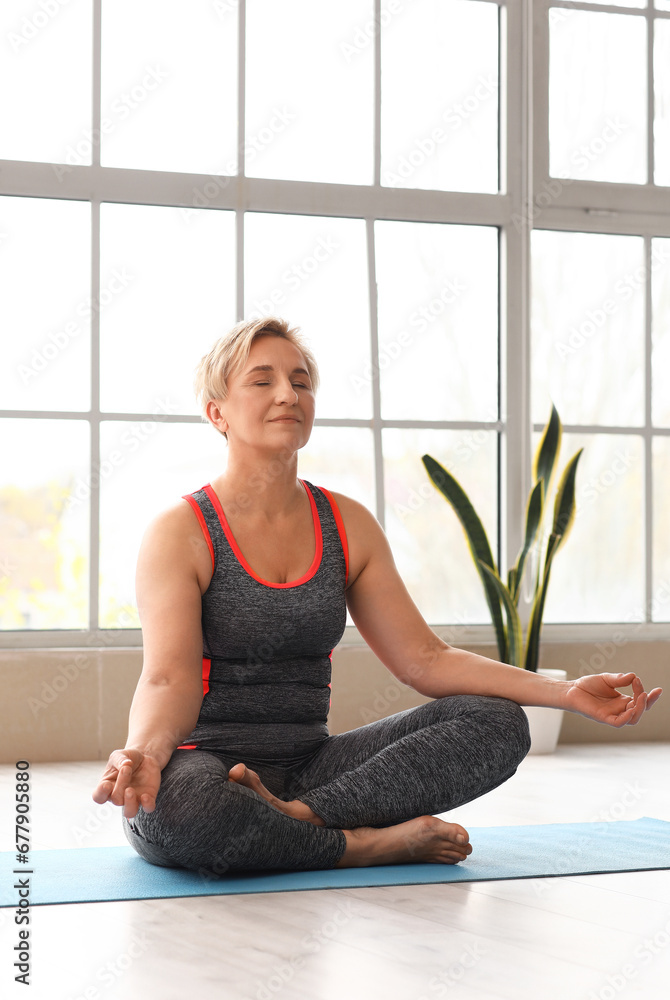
(595, 696)
(393, 627)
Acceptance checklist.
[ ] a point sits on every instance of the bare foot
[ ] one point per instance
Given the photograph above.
(424, 839)
(243, 775)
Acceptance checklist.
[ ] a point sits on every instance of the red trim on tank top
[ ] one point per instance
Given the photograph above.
(340, 527)
(206, 668)
(318, 551)
(203, 524)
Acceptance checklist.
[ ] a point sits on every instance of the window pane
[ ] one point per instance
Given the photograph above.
(660, 333)
(309, 101)
(145, 468)
(662, 102)
(598, 575)
(438, 321)
(313, 271)
(426, 537)
(588, 327)
(440, 96)
(597, 96)
(46, 68)
(662, 4)
(45, 304)
(169, 85)
(148, 466)
(660, 607)
(341, 459)
(171, 281)
(44, 524)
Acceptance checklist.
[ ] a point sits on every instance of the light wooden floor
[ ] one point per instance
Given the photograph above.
(580, 938)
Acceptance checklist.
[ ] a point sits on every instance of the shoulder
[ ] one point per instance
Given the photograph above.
(365, 535)
(174, 522)
(173, 538)
(352, 510)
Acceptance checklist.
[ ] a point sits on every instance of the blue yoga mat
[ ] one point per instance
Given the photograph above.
(98, 874)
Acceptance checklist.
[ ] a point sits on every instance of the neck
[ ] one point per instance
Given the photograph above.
(265, 485)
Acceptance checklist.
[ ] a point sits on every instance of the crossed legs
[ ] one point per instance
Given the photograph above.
(364, 797)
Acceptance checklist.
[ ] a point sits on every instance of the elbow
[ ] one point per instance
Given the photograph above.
(418, 678)
(166, 676)
(420, 673)
(184, 689)
(158, 678)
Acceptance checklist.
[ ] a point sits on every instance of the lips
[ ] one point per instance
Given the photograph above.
(284, 420)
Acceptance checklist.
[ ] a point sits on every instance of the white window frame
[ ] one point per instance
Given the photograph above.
(523, 126)
(612, 208)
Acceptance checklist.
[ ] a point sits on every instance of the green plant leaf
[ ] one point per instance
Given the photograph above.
(532, 651)
(514, 630)
(476, 538)
(548, 450)
(534, 511)
(564, 505)
(564, 516)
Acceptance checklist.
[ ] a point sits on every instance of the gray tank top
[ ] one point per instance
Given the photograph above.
(267, 647)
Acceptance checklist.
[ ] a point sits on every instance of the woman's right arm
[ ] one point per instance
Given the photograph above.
(169, 693)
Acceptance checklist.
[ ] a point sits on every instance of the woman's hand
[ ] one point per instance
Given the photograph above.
(596, 697)
(131, 780)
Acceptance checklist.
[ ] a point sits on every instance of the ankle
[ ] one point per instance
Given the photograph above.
(356, 853)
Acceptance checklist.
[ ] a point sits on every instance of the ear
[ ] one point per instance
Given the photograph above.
(215, 416)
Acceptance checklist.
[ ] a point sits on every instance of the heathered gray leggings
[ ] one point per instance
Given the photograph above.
(424, 760)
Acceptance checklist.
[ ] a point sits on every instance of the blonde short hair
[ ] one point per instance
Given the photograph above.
(230, 353)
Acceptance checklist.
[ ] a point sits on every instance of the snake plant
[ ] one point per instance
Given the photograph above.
(503, 599)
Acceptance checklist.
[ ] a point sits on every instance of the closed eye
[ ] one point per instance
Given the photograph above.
(299, 384)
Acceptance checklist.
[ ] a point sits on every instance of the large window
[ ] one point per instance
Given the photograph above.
(372, 173)
(600, 331)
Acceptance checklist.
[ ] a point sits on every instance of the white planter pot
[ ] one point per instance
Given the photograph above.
(545, 723)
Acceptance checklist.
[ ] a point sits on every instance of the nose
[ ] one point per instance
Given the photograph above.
(286, 392)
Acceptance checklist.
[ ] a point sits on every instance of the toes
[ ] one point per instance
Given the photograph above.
(251, 780)
(244, 776)
(454, 856)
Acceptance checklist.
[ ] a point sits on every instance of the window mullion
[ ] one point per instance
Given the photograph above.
(374, 365)
(515, 279)
(377, 96)
(648, 438)
(241, 129)
(538, 29)
(96, 98)
(94, 422)
(94, 525)
(650, 96)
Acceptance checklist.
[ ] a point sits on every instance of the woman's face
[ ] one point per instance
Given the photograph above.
(274, 383)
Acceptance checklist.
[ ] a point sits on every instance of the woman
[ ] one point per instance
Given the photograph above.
(228, 763)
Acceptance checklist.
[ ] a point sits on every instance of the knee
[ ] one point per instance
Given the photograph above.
(188, 791)
(183, 831)
(499, 722)
(502, 723)
(516, 728)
